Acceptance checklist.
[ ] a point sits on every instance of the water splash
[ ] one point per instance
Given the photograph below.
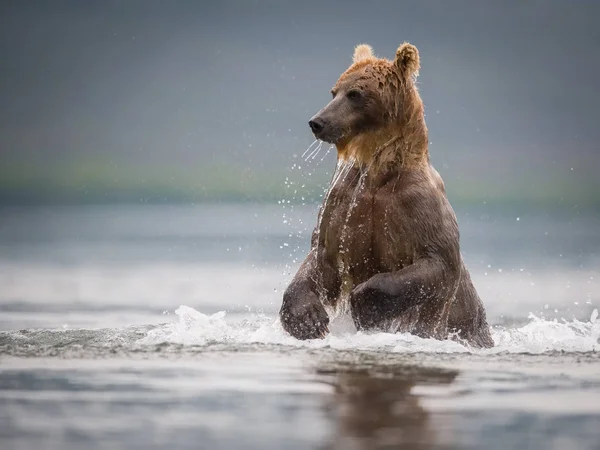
(309, 148)
(193, 331)
(541, 335)
(538, 336)
(299, 189)
(315, 152)
(326, 154)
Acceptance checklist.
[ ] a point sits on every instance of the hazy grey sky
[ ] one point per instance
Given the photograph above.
(509, 83)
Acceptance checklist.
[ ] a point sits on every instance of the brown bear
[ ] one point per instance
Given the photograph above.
(386, 245)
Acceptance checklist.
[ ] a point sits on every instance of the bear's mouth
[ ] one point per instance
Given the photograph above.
(329, 140)
(329, 136)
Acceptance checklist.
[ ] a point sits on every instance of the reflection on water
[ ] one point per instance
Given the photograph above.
(380, 411)
(269, 397)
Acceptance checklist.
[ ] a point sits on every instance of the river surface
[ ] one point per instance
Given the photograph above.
(156, 327)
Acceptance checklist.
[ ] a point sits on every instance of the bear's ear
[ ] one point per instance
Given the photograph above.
(407, 60)
(362, 52)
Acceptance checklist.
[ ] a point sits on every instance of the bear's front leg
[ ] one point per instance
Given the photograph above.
(302, 314)
(385, 296)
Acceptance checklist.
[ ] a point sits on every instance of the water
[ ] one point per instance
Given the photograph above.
(155, 326)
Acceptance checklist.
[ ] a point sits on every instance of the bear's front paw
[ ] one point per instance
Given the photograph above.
(305, 319)
(370, 306)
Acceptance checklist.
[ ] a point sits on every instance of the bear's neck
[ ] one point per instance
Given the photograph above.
(402, 143)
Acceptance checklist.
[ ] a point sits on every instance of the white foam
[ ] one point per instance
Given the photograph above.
(541, 335)
(538, 336)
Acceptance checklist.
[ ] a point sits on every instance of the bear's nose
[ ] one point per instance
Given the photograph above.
(316, 125)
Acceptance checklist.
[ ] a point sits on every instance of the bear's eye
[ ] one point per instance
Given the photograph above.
(354, 95)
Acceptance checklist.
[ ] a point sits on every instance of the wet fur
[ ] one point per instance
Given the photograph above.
(387, 240)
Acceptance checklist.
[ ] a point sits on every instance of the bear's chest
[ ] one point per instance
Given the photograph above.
(349, 226)
(361, 234)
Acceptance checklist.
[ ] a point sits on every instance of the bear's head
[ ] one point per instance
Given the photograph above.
(376, 109)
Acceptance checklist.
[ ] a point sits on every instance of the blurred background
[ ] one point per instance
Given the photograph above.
(186, 101)
(151, 176)
(150, 151)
